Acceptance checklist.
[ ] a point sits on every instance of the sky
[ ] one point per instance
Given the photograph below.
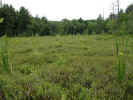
(70, 9)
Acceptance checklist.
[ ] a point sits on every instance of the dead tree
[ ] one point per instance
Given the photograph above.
(0, 3)
(118, 7)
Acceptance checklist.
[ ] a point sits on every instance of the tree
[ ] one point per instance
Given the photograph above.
(54, 28)
(23, 20)
(118, 6)
(130, 23)
(129, 9)
(129, 18)
(100, 24)
(8, 25)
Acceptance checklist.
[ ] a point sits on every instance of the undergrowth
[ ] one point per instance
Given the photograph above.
(76, 69)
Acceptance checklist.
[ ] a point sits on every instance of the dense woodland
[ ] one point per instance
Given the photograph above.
(22, 23)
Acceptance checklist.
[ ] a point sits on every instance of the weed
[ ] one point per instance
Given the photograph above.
(80, 76)
(61, 61)
(121, 56)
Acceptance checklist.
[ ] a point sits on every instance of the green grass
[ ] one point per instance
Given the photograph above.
(4, 54)
(65, 68)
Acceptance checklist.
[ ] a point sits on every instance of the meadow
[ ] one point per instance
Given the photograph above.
(78, 67)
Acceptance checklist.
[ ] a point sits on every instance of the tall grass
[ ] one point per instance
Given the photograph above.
(121, 45)
(4, 53)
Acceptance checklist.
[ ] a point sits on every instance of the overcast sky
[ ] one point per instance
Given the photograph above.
(70, 9)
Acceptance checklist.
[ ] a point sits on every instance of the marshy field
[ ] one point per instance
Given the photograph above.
(66, 50)
(79, 67)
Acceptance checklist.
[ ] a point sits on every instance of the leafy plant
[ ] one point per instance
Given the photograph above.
(121, 52)
(1, 20)
(61, 61)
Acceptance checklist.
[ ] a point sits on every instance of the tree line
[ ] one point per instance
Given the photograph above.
(22, 23)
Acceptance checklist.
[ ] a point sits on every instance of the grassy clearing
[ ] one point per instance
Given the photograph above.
(65, 68)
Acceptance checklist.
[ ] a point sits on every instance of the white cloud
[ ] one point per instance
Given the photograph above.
(70, 9)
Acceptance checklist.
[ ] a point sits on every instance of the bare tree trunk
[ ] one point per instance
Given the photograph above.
(118, 7)
(113, 8)
(0, 3)
(103, 14)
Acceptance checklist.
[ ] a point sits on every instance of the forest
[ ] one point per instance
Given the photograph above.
(22, 23)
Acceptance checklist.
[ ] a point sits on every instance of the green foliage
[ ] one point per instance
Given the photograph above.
(130, 23)
(60, 61)
(15, 22)
(1, 20)
(9, 21)
(21, 23)
(74, 26)
(121, 54)
(129, 9)
(100, 25)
